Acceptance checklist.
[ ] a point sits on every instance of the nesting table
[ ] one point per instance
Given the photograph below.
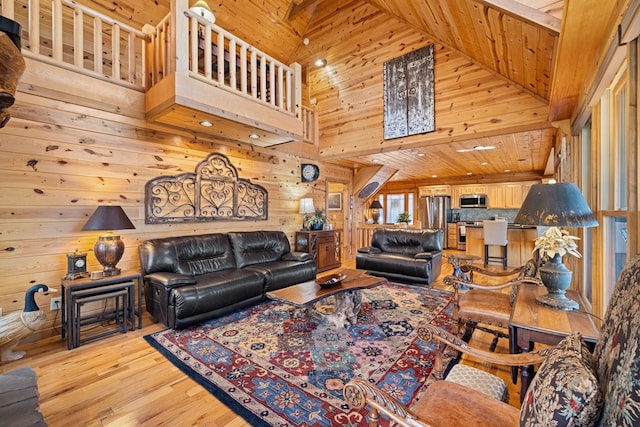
(121, 289)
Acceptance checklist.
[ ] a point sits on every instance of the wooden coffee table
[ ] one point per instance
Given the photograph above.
(346, 293)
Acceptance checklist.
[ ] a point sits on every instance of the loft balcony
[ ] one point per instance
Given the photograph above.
(180, 73)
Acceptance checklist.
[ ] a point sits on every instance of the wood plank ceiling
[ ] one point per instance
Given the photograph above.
(514, 40)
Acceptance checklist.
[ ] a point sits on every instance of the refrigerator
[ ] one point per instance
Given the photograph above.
(435, 213)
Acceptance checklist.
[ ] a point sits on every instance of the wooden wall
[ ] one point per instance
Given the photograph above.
(63, 153)
(356, 39)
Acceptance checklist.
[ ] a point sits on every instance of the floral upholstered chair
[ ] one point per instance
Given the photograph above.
(573, 387)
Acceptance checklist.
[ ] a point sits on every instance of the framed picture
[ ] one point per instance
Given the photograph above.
(335, 201)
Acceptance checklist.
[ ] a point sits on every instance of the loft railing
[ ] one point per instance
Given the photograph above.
(69, 35)
(217, 57)
(66, 34)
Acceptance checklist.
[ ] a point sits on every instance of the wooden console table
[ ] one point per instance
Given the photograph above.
(532, 322)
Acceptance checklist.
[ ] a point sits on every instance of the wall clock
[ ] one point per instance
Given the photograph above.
(309, 172)
(76, 266)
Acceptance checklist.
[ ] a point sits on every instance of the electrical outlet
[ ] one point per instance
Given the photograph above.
(55, 303)
(0, 312)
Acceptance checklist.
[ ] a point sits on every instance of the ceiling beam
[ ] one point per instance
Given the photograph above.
(525, 13)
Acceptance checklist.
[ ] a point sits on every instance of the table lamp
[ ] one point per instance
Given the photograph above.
(554, 206)
(306, 207)
(375, 207)
(109, 248)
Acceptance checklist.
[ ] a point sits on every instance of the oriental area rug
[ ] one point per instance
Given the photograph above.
(275, 365)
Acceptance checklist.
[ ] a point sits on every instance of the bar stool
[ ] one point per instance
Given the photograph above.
(495, 234)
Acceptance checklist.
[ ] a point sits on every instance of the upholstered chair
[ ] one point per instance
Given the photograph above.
(572, 386)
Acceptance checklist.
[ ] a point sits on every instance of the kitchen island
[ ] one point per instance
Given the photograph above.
(519, 250)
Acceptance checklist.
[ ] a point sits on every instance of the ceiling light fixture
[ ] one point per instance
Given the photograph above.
(206, 123)
(254, 136)
(476, 148)
(320, 62)
(202, 9)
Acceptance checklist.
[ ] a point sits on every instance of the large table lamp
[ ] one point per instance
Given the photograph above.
(109, 248)
(306, 208)
(376, 207)
(554, 206)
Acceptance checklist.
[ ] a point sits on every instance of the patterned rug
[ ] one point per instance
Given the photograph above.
(275, 365)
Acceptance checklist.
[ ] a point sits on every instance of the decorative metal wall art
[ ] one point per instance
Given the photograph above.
(213, 192)
(409, 94)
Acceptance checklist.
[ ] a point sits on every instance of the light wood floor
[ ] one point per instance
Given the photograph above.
(121, 381)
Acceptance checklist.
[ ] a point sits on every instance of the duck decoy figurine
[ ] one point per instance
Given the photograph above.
(17, 325)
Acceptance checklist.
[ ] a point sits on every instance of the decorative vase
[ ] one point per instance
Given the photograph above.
(556, 278)
(316, 226)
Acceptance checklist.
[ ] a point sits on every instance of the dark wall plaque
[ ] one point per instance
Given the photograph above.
(409, 94)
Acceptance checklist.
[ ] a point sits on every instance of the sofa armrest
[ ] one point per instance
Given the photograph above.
(426, 255)
(170, 280)
(297, 256)
(369, 250)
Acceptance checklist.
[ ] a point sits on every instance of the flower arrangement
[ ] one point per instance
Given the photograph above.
(404, 217)
(556, 241)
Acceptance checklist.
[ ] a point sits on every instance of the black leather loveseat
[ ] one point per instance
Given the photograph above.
(410, 256)
(190, 279)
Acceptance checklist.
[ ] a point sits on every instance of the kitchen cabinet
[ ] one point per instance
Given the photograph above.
(452, 234)
(495, 196)
(434, 190)
(324, 245)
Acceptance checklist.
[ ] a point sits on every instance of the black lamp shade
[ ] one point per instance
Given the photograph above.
(555, 205)
(375, 205)
(108, 218)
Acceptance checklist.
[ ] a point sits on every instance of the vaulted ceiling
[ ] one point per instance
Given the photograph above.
(544, 48)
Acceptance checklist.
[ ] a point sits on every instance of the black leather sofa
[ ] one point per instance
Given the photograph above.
(408, 256)
(189, 279)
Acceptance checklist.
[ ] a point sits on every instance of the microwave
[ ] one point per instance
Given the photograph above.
(473, 201)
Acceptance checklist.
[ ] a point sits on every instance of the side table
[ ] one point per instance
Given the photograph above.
(532, 322)
(69, 286)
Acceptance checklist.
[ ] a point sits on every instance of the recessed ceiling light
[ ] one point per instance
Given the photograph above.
(376, 161)
(484, 163)
(206, 123)
(507, 170)
(434, 176)
(320, 62)
(469, 173)
(421, 154)
(254, 136)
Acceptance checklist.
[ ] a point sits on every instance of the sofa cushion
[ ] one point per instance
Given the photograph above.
(216, 290)
(408, 242)
(400, 264)
(280, 274)
(257, 247)
(190, 255)
(565, 391)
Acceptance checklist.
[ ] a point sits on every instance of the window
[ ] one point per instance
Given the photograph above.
(397, 203)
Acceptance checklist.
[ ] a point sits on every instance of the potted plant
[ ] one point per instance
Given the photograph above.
(317, 220)
(404, 219)
(553, 244)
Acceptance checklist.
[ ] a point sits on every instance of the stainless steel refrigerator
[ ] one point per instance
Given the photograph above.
(435, 213)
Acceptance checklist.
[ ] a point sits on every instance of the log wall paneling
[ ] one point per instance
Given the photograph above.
(59, 160)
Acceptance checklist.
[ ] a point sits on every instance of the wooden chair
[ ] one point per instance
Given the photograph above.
(487, 307)
(495, 234)
(572, 387)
